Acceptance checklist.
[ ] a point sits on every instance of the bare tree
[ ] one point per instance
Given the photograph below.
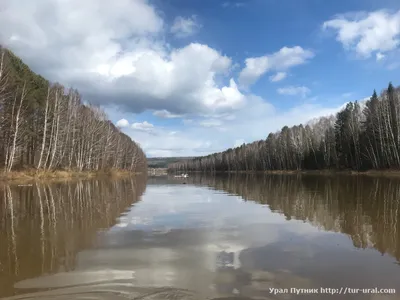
(16, 122)
(43, 127)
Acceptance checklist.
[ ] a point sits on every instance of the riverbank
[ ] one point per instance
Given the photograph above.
(388, 173)
(340, 172)
(32, 175)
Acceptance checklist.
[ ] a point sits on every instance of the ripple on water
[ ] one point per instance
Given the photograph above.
(117, 290)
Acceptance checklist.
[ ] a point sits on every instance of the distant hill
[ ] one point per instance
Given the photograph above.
(163, 162)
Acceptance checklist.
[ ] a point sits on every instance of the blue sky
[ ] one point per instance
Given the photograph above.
(191, 77)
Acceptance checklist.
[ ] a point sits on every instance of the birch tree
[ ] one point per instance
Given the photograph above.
(43, 127)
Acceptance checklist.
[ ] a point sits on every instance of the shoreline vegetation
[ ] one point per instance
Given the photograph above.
(49, 131)
(386, 173)
(54, 175)
(362, 138)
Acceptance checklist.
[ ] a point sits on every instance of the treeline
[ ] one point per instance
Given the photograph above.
(362, 136)
(46, 126)
(163, 162)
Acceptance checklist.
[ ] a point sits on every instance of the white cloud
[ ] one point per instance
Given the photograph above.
(124, 17)
(278, 77)
(119, 57)
(122, 123)
(380, 56)
(185, 81)
(365, 34)
(184, 27)
(144, 126)
(294, 91)
(282, 60)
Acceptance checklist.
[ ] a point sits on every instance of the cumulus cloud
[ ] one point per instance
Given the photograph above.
(184, 27)
(282, 60)
(122, 123)
(303, 91)
(120, 56)
(144, 126)
(376, 32)
(184, 80)
(278, 77)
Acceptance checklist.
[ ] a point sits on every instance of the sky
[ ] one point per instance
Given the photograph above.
(194, 77)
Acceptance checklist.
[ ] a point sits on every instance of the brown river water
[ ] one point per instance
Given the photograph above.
(203, 237)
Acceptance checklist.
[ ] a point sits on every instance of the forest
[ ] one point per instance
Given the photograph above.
(46, 126)
(362, 136)
(163, 162)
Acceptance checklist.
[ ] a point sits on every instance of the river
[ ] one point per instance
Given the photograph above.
(202, 237)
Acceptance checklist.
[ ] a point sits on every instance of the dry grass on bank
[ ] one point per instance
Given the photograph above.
(32, 174)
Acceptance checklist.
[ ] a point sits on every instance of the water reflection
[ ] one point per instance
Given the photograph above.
(237, 236)
(44, 226)
(365, 208)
